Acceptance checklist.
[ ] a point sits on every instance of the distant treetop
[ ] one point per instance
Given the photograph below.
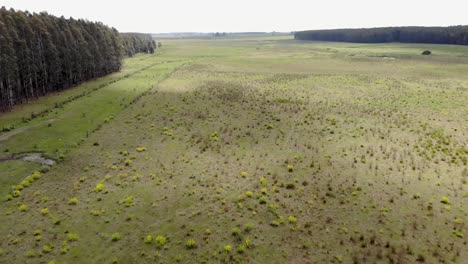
(457, 35)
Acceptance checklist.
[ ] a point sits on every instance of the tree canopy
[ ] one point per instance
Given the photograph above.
(137, 42)
(457, 35)
(41, 53)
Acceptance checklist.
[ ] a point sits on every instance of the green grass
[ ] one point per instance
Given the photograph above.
(13, 172)
(24, 111)
(262, 150)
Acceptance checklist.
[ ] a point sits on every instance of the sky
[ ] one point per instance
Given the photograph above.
(162, 16)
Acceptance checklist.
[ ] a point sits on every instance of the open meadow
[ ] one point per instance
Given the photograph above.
(248, 150)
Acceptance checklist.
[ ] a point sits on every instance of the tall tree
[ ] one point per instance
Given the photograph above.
(437, 35)
(41, 53)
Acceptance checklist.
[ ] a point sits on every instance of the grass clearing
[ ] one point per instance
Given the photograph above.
(258, 151)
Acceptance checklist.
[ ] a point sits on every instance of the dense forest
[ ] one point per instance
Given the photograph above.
(41, 53)
(457, 35)
(137, 42)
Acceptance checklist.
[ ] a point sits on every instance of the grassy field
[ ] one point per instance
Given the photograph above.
(251, 150)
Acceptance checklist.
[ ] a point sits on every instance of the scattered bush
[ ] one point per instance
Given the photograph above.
(160, 241)
(140, 149)
(23, 208)
(148, 239)
(235, 231)
(248, 242)
(30, 253)
(46, 249)
(241, 249)
(426, 52)
(274, 223)
(72, 237)
(115, 237)
(190, 244)
(99, 187)
(444, 200)
(73, 201)
(292, 219)
(227, 248)
(128, 201)
(248, 227)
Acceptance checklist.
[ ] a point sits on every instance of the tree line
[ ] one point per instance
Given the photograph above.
(42, 53)
(134, 43)
(457, 35)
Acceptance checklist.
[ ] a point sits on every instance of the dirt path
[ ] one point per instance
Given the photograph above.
(35, 157)
(9, 134)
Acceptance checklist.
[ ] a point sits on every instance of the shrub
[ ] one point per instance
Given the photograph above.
(148, 239)
(44, 168)
(249, 194)
(161, 241)
(140, 149)
(23, 208)
(240, 249)
(44, 211)
(95, 212)
(64, 250)
(9, 197)
(214, 136)
(46, 249)
(235, 231)
(73, 201)
(248, 227)
(16, 193)
(30, 253)
(128, 201)
(458, 233)
(99, 187)
(73, 237)
(290, 168)
(444, 200)
(36, 175)
(426, 52)
(227, 248)
(248, 242)
(274, 223)
(292, 219)
(190, 244)
(56, 221)
(115, 237)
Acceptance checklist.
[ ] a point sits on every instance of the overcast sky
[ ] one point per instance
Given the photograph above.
(252, 15)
